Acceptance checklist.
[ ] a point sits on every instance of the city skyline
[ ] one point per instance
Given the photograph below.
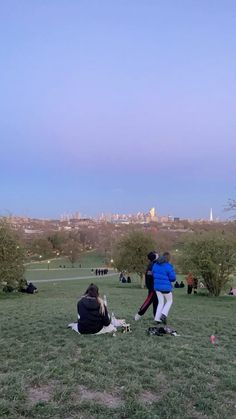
(115, 106)
(148, 215)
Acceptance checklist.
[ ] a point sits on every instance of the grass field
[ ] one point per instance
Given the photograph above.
(87, 260)
(37, 271)
(48, 371)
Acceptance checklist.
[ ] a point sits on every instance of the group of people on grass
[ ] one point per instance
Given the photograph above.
(179, 285)
(123, 279)
(101, 272)
(93, 317)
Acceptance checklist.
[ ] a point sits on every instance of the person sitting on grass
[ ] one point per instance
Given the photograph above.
(163, 274)
(232, 291)
(181, 285)
(177, 284)
(93, 316)
(28, 287)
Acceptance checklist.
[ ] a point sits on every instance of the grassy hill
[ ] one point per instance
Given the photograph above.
(48, 371)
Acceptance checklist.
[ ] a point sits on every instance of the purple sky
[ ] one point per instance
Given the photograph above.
(117, 106)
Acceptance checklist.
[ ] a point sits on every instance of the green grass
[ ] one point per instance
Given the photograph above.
(37, 274)
(89, 259)
(37, 271)
(48, 371)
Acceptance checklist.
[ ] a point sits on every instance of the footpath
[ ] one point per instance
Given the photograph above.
(73, 278)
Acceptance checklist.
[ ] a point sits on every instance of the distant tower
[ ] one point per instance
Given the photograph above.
(152, 215)
(211, 215)
(152, 212)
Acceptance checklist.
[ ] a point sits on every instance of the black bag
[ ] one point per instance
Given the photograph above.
(160, 331)
(155, 331)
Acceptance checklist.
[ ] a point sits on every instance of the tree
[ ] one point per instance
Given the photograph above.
(231, 206)
(130, 253)
(83, 238)
(211, 256)
(73, 248)
(11, 259)
(42, 246)
(57, 240)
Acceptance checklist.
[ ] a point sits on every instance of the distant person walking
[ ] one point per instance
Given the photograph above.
(163, 274)
(189, 280)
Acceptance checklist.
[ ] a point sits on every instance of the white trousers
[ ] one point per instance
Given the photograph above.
(105, 329)
(164, 304)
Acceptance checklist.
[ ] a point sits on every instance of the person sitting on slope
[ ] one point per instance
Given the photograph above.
(93, 316)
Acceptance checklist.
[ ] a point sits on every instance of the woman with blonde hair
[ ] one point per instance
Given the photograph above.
(93, 316)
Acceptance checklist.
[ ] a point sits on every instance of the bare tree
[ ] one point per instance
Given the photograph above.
(231, 206)
(73, 248)
(130, 253)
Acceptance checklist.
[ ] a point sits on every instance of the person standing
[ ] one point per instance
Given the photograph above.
(189, 280)
(151, 297)
(163, 275)
(195, 284)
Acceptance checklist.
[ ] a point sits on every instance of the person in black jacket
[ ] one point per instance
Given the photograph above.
(92, 313)
(151, 297)
(29, 288)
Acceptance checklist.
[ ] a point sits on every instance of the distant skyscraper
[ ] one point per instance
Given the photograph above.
(211, 215)
(152, 216)
(152, 212)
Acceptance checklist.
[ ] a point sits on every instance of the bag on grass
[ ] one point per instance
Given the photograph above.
(160, 331)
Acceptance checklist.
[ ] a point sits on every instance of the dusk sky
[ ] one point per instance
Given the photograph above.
(117, 106)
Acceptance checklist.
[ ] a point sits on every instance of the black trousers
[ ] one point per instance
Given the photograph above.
(151, 299)
(190, 288)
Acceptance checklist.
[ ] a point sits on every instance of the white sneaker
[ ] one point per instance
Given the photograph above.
(137, 317)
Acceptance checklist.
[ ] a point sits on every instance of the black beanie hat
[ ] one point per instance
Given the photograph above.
(152, 256)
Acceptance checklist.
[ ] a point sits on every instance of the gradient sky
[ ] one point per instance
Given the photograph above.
(117, 106)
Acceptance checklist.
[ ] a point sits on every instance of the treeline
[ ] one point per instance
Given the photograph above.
(111, 242)
(103, 238)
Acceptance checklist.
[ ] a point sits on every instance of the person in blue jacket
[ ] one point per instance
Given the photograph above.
(163, 274)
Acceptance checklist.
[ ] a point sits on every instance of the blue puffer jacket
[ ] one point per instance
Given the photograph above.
(163, 274)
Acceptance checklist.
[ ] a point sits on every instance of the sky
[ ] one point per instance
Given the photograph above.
(117, 106)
